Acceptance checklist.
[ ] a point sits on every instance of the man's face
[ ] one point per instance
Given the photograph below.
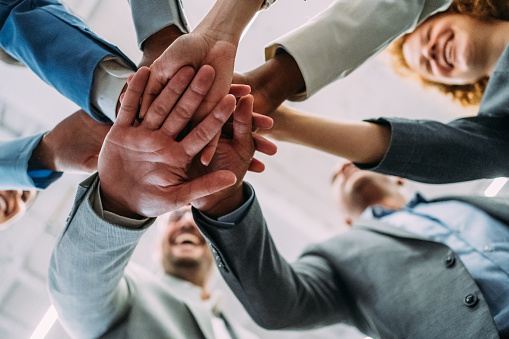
(355, 189)
(13, 205)
(183, 245)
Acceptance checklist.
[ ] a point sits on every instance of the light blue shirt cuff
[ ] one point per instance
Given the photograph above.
(229, 220)
(14, 162)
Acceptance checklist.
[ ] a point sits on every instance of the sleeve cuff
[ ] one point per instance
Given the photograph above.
(110, 77)
(234, 217)
(162, 13)
(112, 218)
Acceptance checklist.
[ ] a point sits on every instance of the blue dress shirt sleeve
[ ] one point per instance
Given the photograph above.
(14, 156)
(57, 46)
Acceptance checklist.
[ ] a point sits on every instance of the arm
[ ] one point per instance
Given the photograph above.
(349, 34)
(421, 150)
(143, 170)
(361, 142)
(276, 294)
(56, 63)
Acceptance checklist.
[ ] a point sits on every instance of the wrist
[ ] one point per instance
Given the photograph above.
(227, 19)
(227, 202)
(279, 78)
(43, 155)
(157, 43)
(116, 207)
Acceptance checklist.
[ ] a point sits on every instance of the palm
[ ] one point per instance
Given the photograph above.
(142, 166)
(136, 160)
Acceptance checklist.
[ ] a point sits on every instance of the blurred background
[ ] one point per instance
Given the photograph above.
(294, 190)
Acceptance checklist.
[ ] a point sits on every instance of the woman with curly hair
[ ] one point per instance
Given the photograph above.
(417, 54)
(411, 57)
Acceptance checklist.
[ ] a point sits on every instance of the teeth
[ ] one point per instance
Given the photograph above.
(187, 237)
(3, 205)
(448, 53)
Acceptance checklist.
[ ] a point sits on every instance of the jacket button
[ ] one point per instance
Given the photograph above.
(449, 260)
(470, 300)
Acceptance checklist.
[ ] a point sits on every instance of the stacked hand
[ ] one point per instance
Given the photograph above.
(72, 146)
(143, 169)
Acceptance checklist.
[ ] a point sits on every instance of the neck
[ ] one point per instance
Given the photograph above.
(195, 276)
(395, 202)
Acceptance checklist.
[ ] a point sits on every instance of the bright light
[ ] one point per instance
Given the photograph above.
(46, 323)
(495, 187)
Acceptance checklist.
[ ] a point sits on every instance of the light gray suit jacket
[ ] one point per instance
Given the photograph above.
(386, 282)
(96, 298)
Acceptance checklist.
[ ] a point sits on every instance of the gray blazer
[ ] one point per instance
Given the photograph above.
(96, 296)
(386, 282)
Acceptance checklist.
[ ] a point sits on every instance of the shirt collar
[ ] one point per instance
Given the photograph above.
(377, 212)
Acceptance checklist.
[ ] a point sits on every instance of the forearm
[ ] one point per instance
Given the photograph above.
(361, 142)
(86, 271)
(70, 70)
(227, 19)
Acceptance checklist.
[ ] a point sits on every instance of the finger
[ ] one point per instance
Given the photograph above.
(262, 121)
(166, 100)
(192, 98)
(210, 150)
(131, 100)
(263, 145)
(206, 185)
(153, 88)
(206, 130)
(256, 166)
(243, 119)
(239, 90)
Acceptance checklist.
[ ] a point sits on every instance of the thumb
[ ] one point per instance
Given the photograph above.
(208, 184)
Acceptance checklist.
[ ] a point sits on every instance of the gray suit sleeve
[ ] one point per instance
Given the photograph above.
(275, 293)
(86, 276)
(150, 17)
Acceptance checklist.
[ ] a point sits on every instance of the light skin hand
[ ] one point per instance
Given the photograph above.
(214, 42)
(143, 169)
(234, 153)
(71, 146)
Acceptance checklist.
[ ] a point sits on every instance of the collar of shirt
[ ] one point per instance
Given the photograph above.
(378, 212)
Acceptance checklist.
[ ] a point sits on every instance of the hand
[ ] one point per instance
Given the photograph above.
(72, 146)
(235, 154)
(143, 170)
(157, 43)
(273, 82)
(214, 42)
(195, 49)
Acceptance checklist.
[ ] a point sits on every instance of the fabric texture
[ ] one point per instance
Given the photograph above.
(98, 294)
(469, 148)
(383, 280)
(348, 33)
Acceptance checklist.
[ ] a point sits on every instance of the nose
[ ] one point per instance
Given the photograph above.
(429, 51)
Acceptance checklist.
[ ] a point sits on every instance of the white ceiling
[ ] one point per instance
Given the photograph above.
(294, 189)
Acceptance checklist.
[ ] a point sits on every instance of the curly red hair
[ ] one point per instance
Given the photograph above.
(468, 94)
